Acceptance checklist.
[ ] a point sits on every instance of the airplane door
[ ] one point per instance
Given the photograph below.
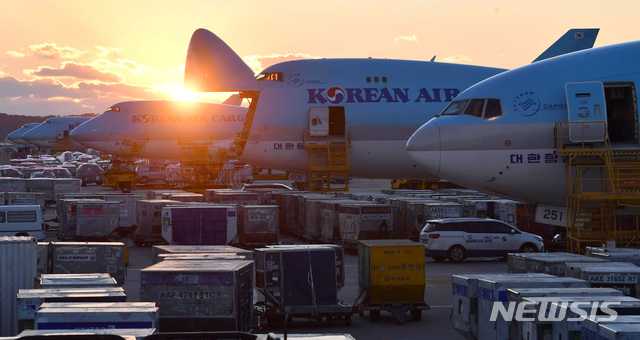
(319, 121)
(586, 105)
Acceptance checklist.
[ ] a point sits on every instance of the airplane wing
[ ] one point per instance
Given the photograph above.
(574, 40)
(233, 99)
(212, 66)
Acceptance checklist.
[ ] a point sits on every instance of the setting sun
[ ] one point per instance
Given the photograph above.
(184, 95)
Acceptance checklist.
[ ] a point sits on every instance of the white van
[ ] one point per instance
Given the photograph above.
(21, 220)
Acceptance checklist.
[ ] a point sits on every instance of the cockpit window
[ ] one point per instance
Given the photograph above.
(486, 108)
(455, 108)
(475, 108)
(113, 108)
(273, 76)
(493, 109)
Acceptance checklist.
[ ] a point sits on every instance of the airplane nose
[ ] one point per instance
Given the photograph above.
(424, 148)
(82, 132)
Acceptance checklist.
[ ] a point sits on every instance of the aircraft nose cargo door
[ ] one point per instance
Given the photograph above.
(587, 111)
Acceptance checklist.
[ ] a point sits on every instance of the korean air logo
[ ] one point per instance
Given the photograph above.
(526, 104)
(335, 95)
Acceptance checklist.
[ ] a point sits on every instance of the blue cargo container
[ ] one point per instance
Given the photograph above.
(199, 225)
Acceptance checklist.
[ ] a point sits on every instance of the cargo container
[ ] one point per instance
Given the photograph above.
(494, 290)
(60, 204)
(175, 249)
(309, 214)
(589, 327)
(68, 211)
(68, 281)
(572, 269)
(624, 279)
(96, 220)
(44, 260)
(157, 194)
(391, 273)
(280, 199)
(183, 196)
(127, 334)
(89, 257)
(465, 299)
(225, 196)
(559, 327)
(517, 295)
(149, 221)
(202, 257)
(364, 222)
(18, 268)
(200, 295)
(199, 224)
(258, 225)
(11, 184)
(618, 256)
(128, 211)
(549, 263)
(29, 300)
(619, 331)
(297, 275)
(100, 315)
(329, 225)
(25, 198)
(66, 185)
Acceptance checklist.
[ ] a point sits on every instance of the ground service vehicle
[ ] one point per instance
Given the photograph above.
(22, 220)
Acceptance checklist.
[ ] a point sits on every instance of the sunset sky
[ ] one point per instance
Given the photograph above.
(78, 56)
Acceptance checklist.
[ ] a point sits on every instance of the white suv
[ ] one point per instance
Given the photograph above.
(459, 238)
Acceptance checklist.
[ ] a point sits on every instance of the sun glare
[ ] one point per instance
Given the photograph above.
(184, 95)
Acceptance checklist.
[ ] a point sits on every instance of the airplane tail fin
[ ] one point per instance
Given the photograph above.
(212, 66)
(574, 40)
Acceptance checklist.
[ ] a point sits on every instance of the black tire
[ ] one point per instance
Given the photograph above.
(416, 314)
(439, 258)
(528, 248)
(456, 253)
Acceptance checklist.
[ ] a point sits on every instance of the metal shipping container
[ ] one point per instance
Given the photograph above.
(43, 258)
(25, 198)
(329, 226)
(391, 271)
(128, 212)
(364, 222)
(340, 258)
(258, 224)
(89, 257)
(92, 315)
(18, 268)
(96, 220)
(234, 197)
(199, 224)
(200, 295)
(67, 213)
(127, 334)
(465, 300)
(157, 194)
(572, 269)
(176, 249)
(29, 300)
(10, 184)
(619, 331)
(590, 326)
(66, 185)
(297, 275)
(183, 196)
(202, 257)
(149, 218)
(491, 291)
(549, 263)
(89, 280)
(624, 279)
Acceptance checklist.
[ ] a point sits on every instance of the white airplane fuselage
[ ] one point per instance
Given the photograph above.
(382, 101)
(514, 154)
(53, 134)
(16, 135)
(160, 127)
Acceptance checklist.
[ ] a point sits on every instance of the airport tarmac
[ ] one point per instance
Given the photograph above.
(435, 322)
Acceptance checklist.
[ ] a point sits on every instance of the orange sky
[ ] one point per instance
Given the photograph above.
(78, 56)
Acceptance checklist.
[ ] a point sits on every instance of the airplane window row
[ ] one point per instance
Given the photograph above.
(272, 76)
(478, 107)
(377, 79)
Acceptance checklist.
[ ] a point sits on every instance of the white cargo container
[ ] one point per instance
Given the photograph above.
(465, 299)
(572, 269)
(29, 300)
(174, 249)
(43, 258)
(91, 315)
(127, 334)
(550, 263)
(68, 211)
(128, 210)
(66, 185)
(537, 327)
(624, 279)
(590, 326)
(183, 196)
(68, 281)
(565, 329)
(18, 268)
(10, 184)
(157, 194)
(43, 185)
(89, 257)
(491, 291)
(25, 198)
(619, 331)
(96, 220)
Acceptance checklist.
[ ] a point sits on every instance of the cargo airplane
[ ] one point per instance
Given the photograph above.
(499, 136)
(53, 134)
(376, 104)
(16, 135)
(160, 128)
